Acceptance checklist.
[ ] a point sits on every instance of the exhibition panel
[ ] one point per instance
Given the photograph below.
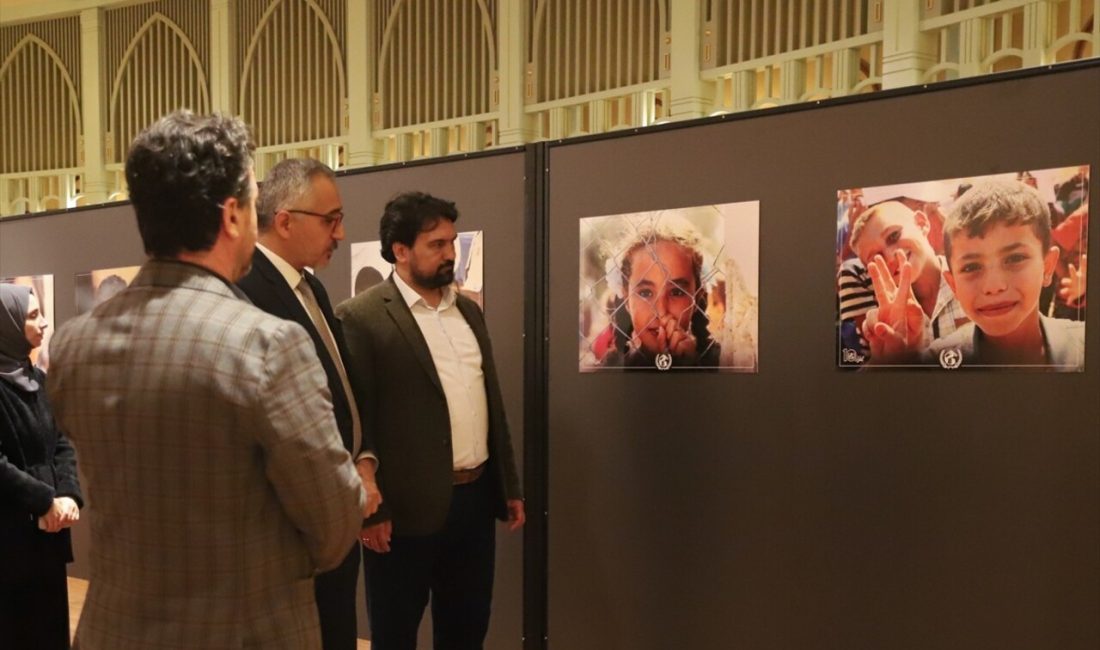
(807, 505)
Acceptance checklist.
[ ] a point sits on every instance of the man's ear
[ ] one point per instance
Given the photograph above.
(400, 251)
(280, 223)
(231, 221)
(1050, 262)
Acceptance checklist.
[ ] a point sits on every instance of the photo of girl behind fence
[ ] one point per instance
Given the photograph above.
(670, 289)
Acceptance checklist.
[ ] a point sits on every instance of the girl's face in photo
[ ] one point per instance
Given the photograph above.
(662, 288)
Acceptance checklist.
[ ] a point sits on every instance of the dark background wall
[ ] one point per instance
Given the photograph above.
(802, 507)
(805, 507)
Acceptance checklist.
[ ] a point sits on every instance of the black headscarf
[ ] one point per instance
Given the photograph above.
(15, 349)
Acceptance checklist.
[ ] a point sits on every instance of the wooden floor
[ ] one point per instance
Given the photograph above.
(79, 588)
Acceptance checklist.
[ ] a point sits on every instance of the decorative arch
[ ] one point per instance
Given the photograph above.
(540, 18)
(147, 86)
(486, 25)
(39, 105)
(589, 62)
(989, 64)
(1080, 40)
(287, 96)
(449, 75)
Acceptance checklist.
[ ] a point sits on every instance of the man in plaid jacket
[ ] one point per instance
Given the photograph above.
(217, 482)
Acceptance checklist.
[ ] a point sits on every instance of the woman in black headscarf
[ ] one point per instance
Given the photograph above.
(39, 493)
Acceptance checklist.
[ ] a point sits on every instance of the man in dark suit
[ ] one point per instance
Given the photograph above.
(431, 401)
(300, 220)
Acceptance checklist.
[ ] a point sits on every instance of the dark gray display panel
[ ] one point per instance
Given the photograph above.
(805, 506)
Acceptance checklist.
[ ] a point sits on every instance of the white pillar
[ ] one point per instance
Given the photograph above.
(363, 149)
(223, 56)
(690, 97)
(970, 47)
(515, 126)
(742, 90)
(1039, 18)
(793, 82)
(845, 72)
(559, 123)
(5, 208)
(93, 85)
(906, 52)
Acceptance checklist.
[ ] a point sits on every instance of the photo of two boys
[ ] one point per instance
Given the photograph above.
(981, 272)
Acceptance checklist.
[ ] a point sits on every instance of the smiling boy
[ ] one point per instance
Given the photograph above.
(998, 246)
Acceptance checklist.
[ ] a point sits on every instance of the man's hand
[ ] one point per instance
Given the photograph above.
(377, 537)
(516, 515)
(1072, 287)
(365, 467)
(63, 513)
(895, 329)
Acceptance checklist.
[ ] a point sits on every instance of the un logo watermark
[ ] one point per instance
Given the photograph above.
(663, 361)
(951, 358)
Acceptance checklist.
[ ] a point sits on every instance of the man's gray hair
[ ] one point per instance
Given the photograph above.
(285, 185)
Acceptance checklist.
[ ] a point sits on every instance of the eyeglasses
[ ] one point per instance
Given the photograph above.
(333, 219)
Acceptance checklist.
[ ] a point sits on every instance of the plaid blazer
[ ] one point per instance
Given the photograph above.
(217, 482)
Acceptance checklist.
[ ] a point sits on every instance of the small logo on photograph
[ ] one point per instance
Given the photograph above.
(852, 356)
(951, 358)
(664, 361)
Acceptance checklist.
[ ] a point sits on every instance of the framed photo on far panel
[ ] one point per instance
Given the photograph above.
(95, 287)
(368, 268)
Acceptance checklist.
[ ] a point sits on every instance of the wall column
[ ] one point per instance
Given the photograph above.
(906, 52)
(223, 56)
(93, 83)
(690, 96)
(363, 150)
(516, 127)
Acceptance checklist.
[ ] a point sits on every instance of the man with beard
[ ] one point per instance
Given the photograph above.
(430, 399)
(300, 218)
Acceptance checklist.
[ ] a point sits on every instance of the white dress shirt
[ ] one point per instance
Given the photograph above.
(457, 358)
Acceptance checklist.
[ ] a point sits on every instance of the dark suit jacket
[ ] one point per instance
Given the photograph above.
(268, 290)
(401, 402)
(37, 464)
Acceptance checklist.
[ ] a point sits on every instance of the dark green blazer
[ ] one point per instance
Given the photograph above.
(402, 405)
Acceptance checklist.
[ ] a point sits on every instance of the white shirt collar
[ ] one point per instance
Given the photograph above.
(411, 297)
(293, 276)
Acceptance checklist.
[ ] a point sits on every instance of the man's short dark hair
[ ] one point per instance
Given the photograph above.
(409, 214)
(180, 171)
